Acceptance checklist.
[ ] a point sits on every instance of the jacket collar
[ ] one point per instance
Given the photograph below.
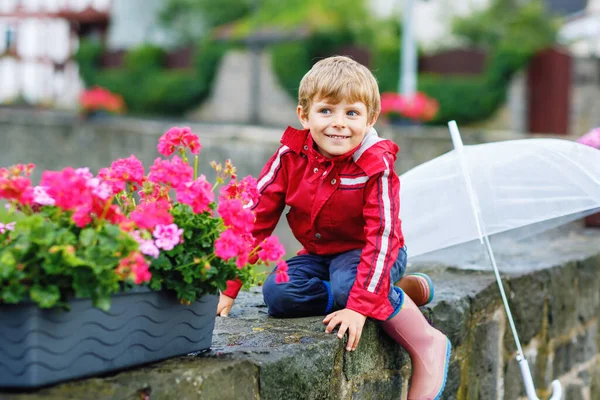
(370, 139)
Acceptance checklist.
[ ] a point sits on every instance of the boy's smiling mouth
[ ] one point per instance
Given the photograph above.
(336, 136)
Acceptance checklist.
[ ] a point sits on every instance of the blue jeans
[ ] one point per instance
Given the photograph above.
(321, 284)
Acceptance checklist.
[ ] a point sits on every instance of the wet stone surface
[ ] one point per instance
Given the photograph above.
(552, 285)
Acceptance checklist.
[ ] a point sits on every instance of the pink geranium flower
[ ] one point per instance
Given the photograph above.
(128, 170)
(116, 185)
(134, 267)
(147, 246)
(40, 196)
(68, 188)
(15, 184)
(148, 215)
(173, 173)
(99, 188)
(197, 194)
(281, 274)
(271, 249)
(231, 244)
(167, 236)
(7, 227)
(245, 190)
(235, 215)
(177, 137)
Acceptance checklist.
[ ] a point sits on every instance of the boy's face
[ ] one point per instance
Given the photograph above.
(336, 128)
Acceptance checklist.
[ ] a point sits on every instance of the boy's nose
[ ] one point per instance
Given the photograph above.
(339, 121)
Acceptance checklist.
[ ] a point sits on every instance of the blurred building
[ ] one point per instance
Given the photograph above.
(581, 30)
(134, 22)
(37, 41)
(433, 18)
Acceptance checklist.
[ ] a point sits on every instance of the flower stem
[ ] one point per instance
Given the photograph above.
(104, 212)
(195, 167)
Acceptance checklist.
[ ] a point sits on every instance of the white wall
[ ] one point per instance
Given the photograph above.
(136, 21)
(582, 32)
(42, 72)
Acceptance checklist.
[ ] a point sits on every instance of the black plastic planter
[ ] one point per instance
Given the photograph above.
(42, 347)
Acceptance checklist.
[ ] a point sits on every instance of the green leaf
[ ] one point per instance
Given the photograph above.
(87, 237)
(7, 264)
(46, 297)
(13, 294)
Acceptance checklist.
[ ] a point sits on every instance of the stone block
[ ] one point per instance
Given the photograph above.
(595, 378)
(527, 295)
(183, 378)
(574, 392)
(382, 388)
(588, 295)
(562, 300)
(579, 349)
(484, 360)
(513, 380)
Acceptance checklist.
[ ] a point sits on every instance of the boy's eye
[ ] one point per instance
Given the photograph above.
(325, 111)
(353, 113)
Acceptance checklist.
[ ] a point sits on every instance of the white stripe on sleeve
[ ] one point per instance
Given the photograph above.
(269, 174)
(273, 168)
(387, 228)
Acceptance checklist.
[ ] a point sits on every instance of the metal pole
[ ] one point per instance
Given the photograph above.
(408, 76)
(255, 56)
(255, 49)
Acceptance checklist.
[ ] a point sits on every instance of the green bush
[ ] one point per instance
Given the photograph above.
(464, 99)
(290, 63)
(149, 88)
(292, 60)
(88, 57)
(144, 58)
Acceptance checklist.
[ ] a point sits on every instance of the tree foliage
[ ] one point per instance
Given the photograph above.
(192, 19)
(509, 25)
(249, 16)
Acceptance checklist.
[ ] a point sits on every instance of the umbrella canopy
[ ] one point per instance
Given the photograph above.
(520, 185)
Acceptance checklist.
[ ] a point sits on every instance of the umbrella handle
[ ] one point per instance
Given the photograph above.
(530, 389)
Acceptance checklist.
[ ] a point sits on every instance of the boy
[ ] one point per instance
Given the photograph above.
(338, 178)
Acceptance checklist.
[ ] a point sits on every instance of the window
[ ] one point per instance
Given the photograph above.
(10, 36)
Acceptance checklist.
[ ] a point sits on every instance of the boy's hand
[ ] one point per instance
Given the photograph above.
(224, 306)
(348, 320)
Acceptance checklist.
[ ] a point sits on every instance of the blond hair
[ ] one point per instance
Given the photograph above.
(340, 78)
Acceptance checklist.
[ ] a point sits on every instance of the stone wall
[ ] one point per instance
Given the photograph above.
(231, 96)
(553, 287)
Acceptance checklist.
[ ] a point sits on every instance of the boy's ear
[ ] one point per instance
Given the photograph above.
(302, 117)
(370, 125)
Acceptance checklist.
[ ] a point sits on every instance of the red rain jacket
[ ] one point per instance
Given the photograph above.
(336, 205)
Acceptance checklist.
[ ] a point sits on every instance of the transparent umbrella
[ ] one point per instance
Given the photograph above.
(501, 188)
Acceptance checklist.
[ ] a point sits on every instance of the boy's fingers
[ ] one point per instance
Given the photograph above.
(328, 318)
(351, 339)
(357, 339)
(332, 324)
(342, 330)
(225, 311)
